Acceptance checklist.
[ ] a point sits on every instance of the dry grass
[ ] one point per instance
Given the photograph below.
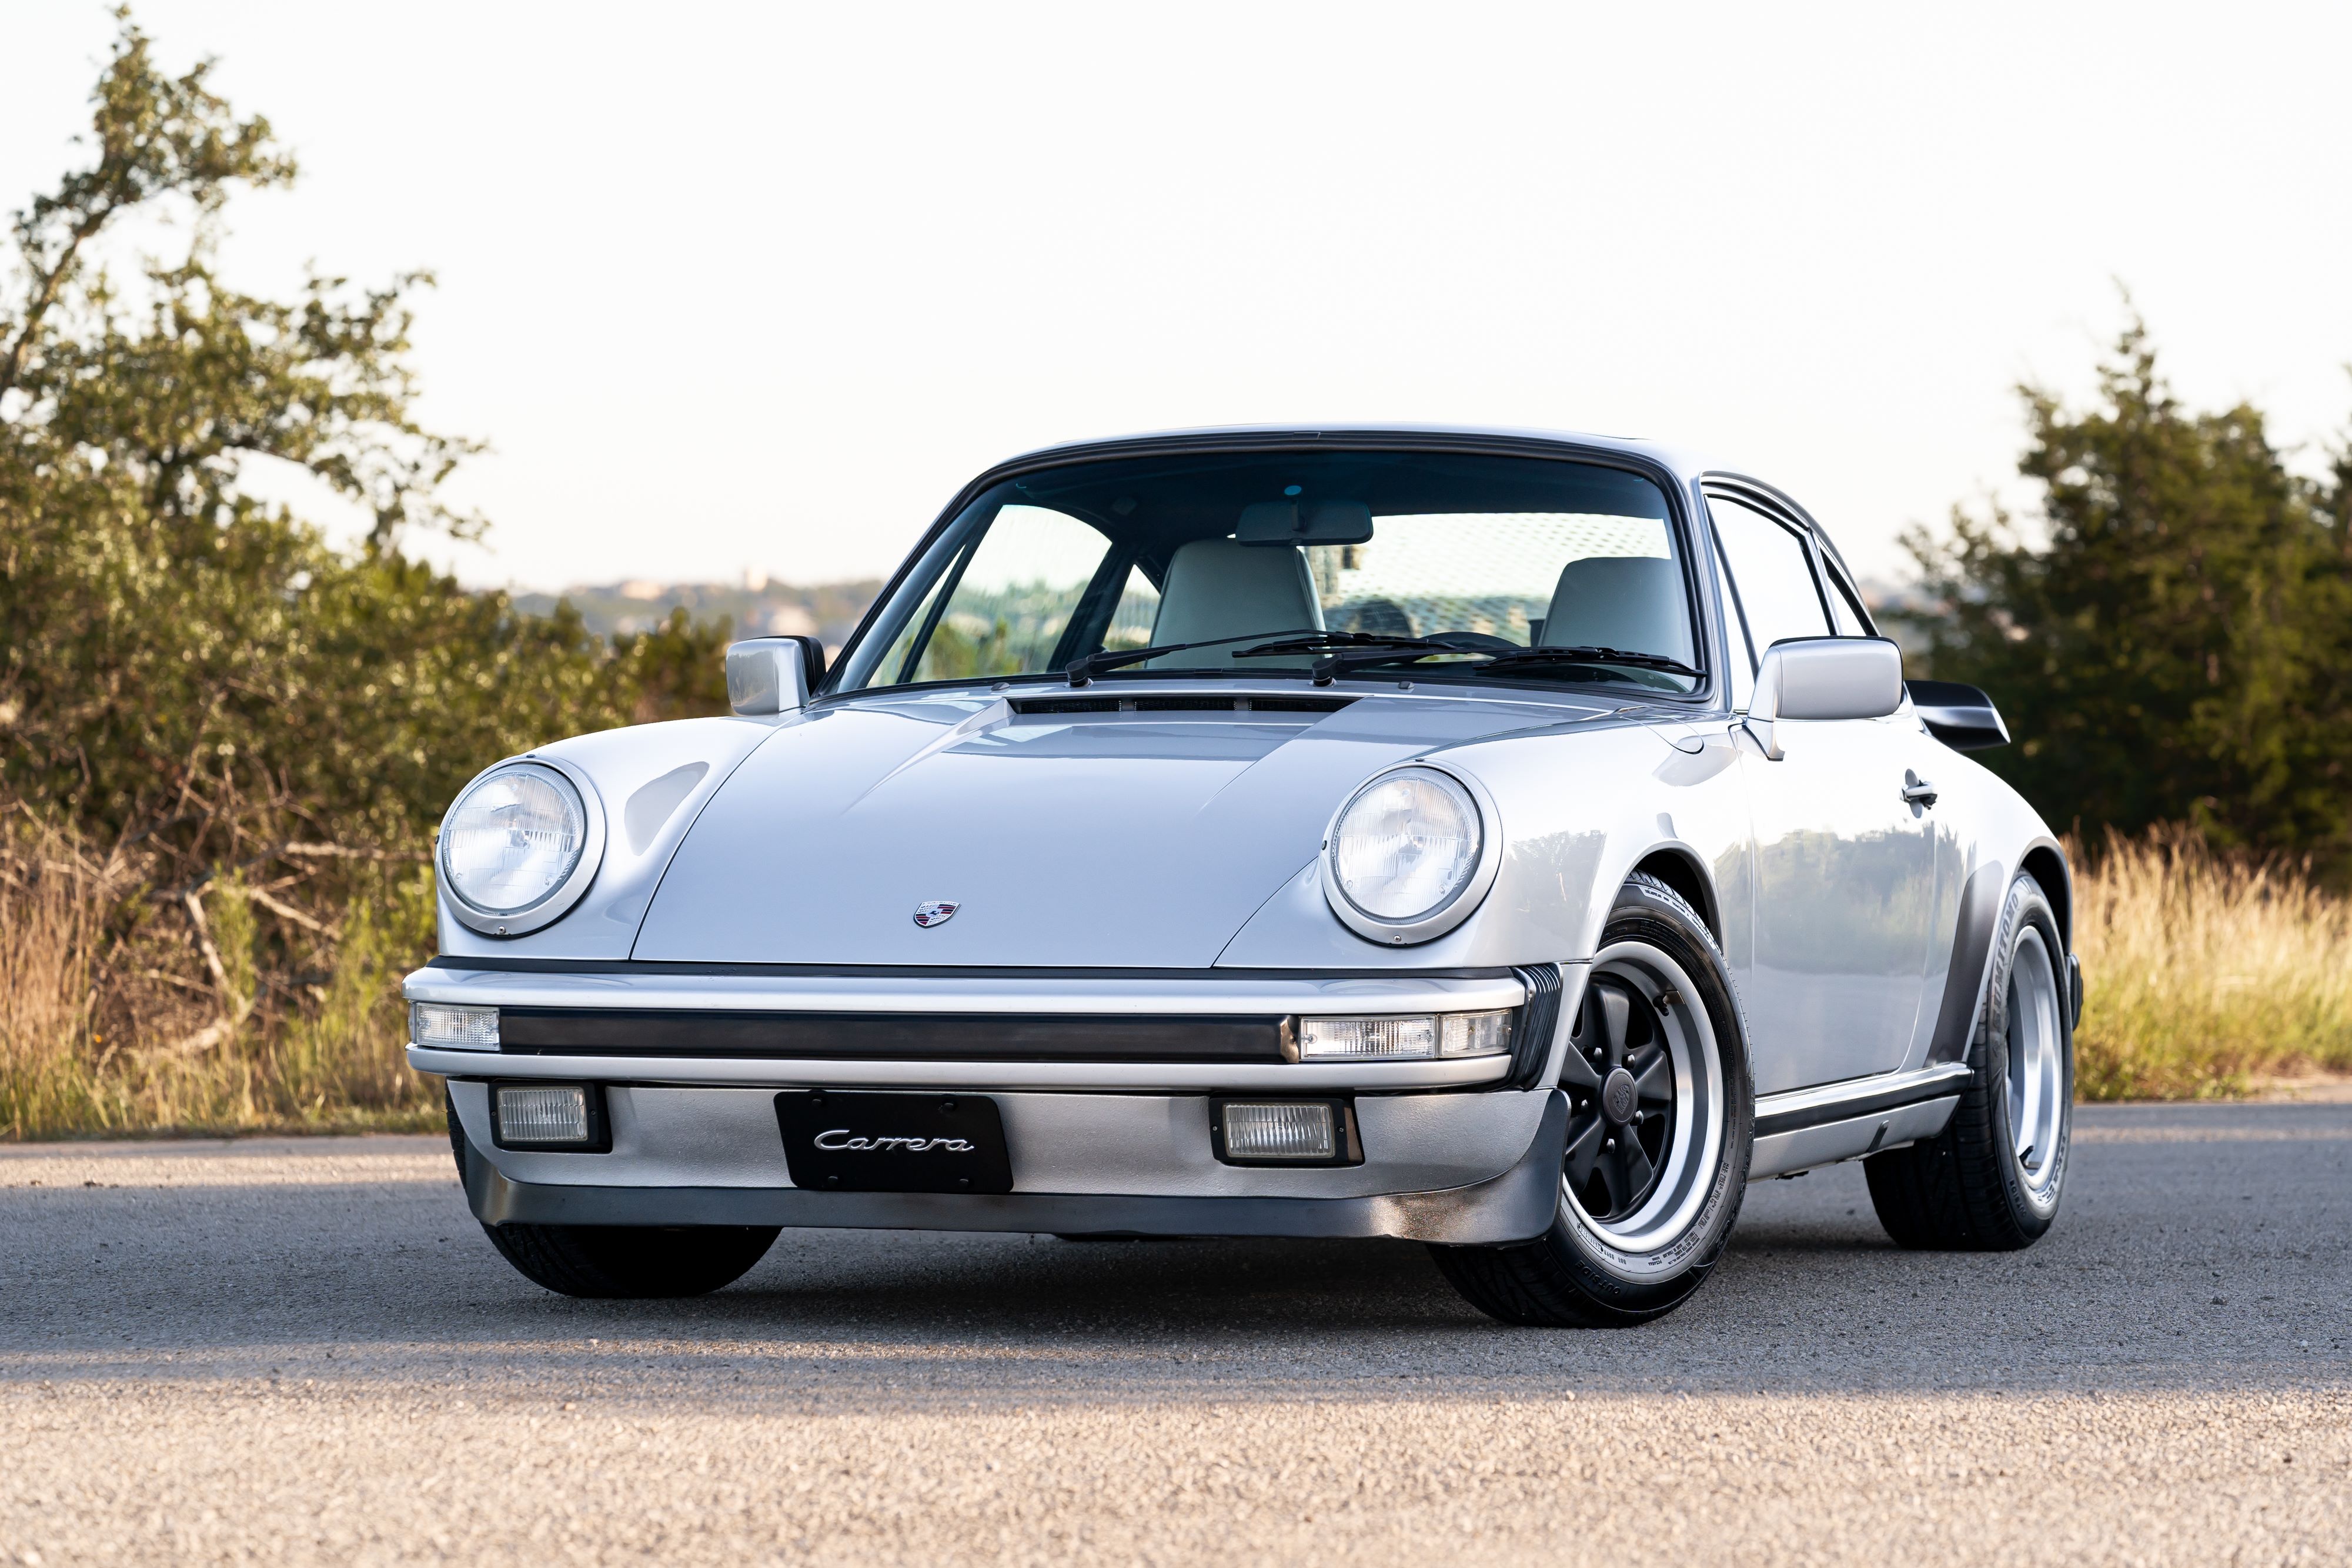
(2204, 976)
(121, 1013)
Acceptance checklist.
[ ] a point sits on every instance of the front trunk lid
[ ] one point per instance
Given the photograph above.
(1135, 831)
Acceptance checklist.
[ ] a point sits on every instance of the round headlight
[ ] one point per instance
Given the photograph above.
(514, 841)
(1406, 846)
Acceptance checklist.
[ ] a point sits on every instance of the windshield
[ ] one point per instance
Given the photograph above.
(1388, 565)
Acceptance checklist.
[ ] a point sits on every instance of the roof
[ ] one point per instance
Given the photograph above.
(1680, 461)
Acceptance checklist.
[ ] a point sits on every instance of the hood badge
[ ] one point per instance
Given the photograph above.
(938, 912)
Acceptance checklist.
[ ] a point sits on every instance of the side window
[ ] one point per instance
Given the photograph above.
(1773, 570)
(1014, 596)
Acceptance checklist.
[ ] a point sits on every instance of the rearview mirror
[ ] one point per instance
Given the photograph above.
(772, 674)
(1824, 678)
(1962, 717)
(1305, 523)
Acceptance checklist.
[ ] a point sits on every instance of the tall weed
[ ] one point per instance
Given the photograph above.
(115, 1019)
(2205, 975)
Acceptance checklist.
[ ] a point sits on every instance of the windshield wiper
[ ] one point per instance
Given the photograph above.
(1341, 650)
(1324, 641)
(1586, 655)
(1346, 650)
(1086, 668)
(1412, 650)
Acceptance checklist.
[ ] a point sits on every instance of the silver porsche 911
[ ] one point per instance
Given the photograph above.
(1513, 842)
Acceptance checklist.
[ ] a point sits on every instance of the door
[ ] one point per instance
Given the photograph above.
(1844, 864)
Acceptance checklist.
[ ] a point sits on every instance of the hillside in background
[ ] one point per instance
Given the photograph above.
(757, 606)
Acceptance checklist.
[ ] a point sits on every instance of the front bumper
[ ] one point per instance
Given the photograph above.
(1099, 1147)
(713, 1179)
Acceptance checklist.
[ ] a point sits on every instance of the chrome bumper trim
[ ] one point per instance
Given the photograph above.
(963, 993)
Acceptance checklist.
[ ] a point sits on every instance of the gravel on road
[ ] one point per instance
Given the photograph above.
(305, 1351)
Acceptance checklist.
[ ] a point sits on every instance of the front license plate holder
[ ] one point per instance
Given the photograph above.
(840, 1140)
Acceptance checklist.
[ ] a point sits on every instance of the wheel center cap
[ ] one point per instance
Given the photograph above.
(1618, 1096)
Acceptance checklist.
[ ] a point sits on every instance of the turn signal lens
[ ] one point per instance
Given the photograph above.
(1416, 1037)
(447, 1028)
(1475, 1034)
(1367, 1039)
(1280, 1130)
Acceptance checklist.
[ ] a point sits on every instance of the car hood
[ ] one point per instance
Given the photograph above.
(1117, 839)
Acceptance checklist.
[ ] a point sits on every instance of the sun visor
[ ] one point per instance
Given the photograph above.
(1305, 523)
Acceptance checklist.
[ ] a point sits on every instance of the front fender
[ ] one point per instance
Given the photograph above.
(654, 781)
(1580, 811)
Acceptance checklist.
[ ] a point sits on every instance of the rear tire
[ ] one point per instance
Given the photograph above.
(1991, 1182)
(623, 1261)
(1656, 1164)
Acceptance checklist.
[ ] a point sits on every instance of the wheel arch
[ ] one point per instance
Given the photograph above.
(1678, 866)
(2045, 862)
(1980, 902)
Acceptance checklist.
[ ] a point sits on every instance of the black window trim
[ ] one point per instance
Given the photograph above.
(1712, 690)
(1841, 580)
(1738, 607)
(1819, 554)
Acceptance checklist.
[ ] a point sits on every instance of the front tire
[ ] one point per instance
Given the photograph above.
(1661, 1126)
(615, 1262)
(1991, 1180)
(632, 1261)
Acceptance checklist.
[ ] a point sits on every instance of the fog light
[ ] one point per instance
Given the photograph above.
(548, 1116)
(1367, 1039)
(448, 1027)
(1287, 1129)
(1475, 1034)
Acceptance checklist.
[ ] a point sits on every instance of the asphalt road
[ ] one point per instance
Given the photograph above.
(306, 1352)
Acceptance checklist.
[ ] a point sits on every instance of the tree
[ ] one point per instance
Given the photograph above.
(193, 681)
(2178, 648)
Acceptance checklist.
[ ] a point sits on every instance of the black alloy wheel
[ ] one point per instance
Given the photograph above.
(1661, 1115)
(1620, 1080)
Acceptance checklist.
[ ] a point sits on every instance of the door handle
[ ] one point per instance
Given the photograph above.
(1917, 790)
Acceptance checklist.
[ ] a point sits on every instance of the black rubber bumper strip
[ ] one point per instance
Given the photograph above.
(889, 1037)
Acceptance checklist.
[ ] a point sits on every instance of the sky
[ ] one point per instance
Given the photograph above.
(731, 286)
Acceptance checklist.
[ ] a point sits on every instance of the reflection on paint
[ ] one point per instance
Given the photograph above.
(1844, 902)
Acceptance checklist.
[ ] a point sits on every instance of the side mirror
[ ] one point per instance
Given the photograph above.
(772, 674)
(1824, 677)
(1962, 717)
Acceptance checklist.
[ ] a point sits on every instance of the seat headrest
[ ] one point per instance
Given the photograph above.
(1632, 602)
(1221, 588)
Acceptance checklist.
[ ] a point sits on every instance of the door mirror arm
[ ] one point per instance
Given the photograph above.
(1764, 707)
